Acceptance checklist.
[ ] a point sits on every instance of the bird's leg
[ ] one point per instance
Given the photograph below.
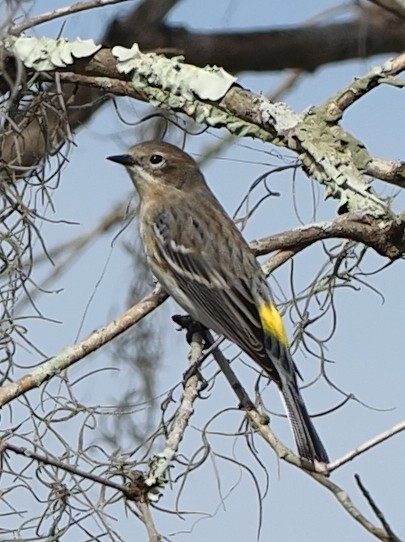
(186, 322)
(192, 327)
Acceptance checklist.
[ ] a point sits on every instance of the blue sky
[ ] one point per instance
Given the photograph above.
(367, 347)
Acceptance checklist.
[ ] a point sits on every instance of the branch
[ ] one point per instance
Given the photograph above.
(72, 469)
(260, 424)
(133, 490)
(360, 87)
(287, 243)
(305, 47)
(396, 7)
(161, 462)
(302, 47)
(392, 536)
(392, 172)
(347, 504)
(28, 145)
(329, 154)
(388, 241)
(76, 352)
(144, 509)
(61, 12)
(366, 446)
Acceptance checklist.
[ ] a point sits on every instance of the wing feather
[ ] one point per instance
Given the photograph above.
(210, 276)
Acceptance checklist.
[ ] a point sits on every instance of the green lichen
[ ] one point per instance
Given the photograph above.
(150, 69)
(46, 54)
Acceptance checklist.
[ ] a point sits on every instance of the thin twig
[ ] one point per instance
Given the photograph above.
(347, 504)
(367, 446)
(48, 460)
(279, 259)
(61, 12)
(392, 536)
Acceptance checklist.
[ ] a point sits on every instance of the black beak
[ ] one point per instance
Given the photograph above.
(123, 159)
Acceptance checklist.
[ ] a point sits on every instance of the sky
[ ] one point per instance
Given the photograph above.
(367, 347)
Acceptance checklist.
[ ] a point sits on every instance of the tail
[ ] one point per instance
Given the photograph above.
(280, 367)
(308, 442)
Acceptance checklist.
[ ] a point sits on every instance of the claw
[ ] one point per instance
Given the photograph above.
(191, 326)
(193, 370)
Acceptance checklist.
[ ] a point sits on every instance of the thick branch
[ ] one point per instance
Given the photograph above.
(396, 7)
(303, 47)
(306, 47)
(388, 241)
(329, 154)
(392, 172)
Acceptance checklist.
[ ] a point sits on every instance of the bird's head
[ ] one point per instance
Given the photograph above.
(156, 164)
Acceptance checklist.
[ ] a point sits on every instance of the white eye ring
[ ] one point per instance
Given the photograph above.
(157, 160)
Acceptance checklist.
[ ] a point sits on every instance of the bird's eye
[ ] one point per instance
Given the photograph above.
(156, 159)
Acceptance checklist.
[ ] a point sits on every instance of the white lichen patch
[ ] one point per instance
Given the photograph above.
(280, 115)
(46, 54)
(150, 69)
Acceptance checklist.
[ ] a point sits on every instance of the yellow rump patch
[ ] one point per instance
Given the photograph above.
(272, 322)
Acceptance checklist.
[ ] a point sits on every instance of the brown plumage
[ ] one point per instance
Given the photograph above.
(205, 264)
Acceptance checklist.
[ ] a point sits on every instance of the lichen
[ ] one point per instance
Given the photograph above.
(46, 54)
(151, 69)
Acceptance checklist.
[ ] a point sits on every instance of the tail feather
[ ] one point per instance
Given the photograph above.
(280, 367)
(308, 442)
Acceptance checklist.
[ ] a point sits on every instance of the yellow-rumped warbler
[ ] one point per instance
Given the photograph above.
(204, 263)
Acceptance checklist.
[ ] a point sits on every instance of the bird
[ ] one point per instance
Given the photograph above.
(201, 259)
